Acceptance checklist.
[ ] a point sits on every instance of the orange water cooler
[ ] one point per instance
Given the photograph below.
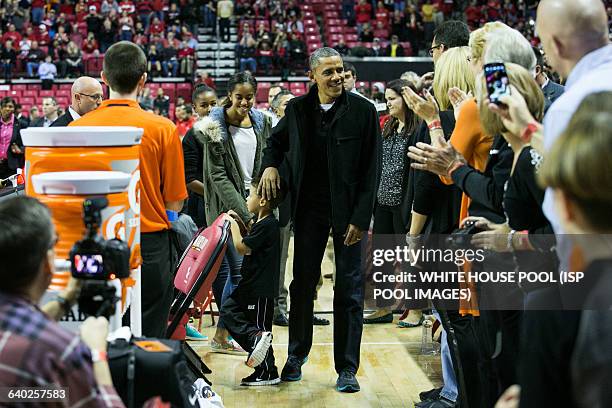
(66, 165)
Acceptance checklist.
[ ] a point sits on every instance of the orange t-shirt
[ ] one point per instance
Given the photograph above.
(162, 173)
(472, 143)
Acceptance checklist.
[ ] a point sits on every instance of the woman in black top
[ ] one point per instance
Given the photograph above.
(204, 99)
(389, 218)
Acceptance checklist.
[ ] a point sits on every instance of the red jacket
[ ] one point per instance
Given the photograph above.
(363, 13)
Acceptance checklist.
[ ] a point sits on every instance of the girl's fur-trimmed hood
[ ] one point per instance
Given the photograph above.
(213, 127)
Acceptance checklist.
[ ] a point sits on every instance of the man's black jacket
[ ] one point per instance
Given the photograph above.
(63, 120)
(353, 154)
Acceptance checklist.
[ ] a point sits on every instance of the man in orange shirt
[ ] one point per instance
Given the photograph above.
(162, 178)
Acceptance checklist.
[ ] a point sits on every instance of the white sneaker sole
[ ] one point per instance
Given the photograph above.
(196, 338)
(261, 383)
(261, 350)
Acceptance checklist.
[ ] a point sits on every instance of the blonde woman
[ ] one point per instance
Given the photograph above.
(430, 213)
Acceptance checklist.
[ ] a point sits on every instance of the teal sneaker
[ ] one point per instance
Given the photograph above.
(192, 334)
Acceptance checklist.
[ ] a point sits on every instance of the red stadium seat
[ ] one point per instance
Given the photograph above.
(30, 93)
(298, 91)
(314, 46)
(63, 92)
(46, 94)
(184, 90)
(363, 84)
(407, 48)
(297, 85)
(351, 37)
(334, 38)
(334, 29)
(382, 33)
(169, 90)
(262, 95)
(18, 87)
(24, 101)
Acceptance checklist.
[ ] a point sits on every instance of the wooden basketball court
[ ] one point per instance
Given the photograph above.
(392, 371)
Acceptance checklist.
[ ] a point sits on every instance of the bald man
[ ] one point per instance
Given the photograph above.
(86, 94)
(574, 35)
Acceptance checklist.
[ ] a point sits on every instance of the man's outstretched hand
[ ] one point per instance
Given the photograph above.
(269, 184)
(438, 160)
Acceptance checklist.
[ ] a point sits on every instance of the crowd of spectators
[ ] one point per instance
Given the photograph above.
(270, 36)
(380, 23)
(71, 32)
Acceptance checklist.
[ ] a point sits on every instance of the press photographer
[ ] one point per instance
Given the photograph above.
(36, 351)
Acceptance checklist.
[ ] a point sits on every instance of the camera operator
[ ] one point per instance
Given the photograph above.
(35, 351)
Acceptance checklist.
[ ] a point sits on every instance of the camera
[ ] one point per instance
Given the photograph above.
(93, 257)
(97, 261)
(462, 238)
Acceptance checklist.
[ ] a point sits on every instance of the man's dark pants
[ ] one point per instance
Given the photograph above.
(158, 262)
(311, 231)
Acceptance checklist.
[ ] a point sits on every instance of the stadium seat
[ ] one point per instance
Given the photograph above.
(334, 38)
(297, 85)
(169, 90)
(298, 91)
(313, 46)
(184, 90)
(407, 48)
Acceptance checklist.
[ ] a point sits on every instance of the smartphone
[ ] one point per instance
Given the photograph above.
(497, 80)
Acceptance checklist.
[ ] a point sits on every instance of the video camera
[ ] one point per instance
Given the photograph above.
(94, 257)
(98, 261)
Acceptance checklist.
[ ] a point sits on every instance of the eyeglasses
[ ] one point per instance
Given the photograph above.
(96, 97)
(431, 50)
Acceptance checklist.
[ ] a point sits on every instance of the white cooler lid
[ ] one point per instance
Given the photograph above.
(81, 136)
(81, 182)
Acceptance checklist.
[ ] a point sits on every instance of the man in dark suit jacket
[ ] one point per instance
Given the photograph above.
(86, 95)
(49, 109)
(551, 90)
(330, 141)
